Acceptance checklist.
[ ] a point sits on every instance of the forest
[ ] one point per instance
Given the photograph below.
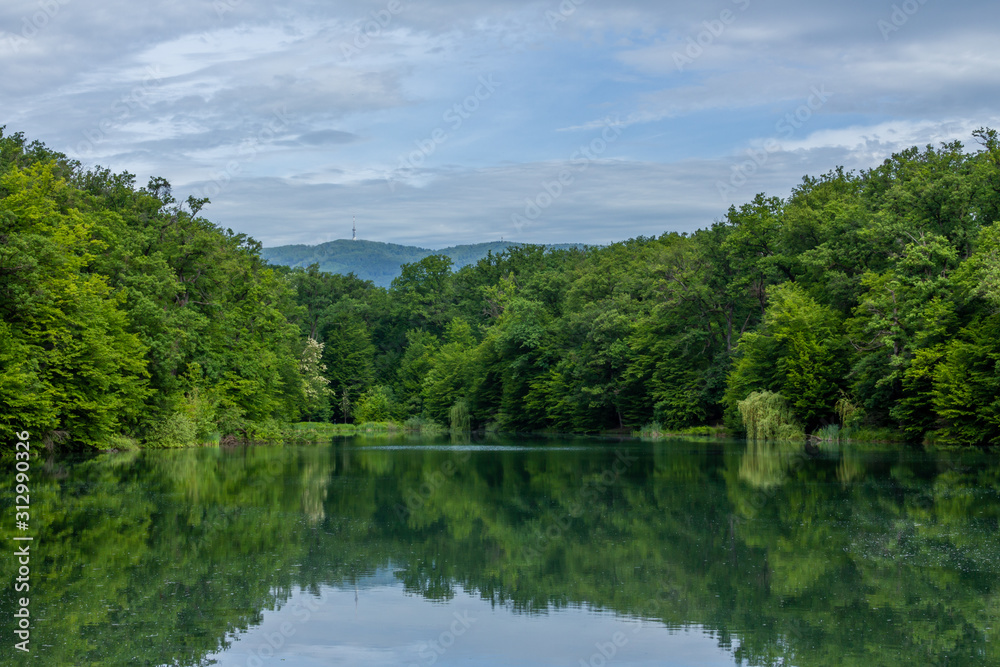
(866, 302)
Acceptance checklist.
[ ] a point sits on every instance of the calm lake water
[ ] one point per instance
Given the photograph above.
(511, 552)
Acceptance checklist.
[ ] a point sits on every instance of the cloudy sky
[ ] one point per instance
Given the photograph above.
(438, 123)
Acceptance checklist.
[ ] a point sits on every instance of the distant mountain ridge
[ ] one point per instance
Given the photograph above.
(380, 262)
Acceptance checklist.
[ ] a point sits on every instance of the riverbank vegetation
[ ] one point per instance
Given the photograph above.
(867, 301)
(129, 319)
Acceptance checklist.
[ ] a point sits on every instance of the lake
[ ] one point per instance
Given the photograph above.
(512, 551)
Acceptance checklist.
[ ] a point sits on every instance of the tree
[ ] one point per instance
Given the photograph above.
(798, 352)
(375, 405)
(315, 384)
(421, 293)
(768, 416)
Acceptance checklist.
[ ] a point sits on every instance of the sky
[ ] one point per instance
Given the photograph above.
(387, 626)
(438, 123)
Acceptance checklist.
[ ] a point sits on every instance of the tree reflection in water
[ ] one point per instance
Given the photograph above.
(852, 556)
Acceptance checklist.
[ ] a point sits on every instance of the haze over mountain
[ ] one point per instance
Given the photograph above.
(377, 261)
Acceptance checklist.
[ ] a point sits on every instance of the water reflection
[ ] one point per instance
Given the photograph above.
(775, 556)
(378, 625)
(766, 463)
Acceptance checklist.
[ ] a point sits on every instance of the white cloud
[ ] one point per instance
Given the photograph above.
(348, 117)
(609, 200)
(891, 136)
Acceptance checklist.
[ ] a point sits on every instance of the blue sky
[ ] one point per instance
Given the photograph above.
(386, 626)
(436, 123)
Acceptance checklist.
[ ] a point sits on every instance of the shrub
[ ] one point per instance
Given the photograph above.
(768, 416)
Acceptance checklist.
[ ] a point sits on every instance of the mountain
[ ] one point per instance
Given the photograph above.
(380, 262)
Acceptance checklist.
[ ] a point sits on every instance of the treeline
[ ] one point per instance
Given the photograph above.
(129, 320)
(376, 261)
(864, 300)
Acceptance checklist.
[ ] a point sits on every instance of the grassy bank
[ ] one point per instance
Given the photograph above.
(655, 431)
(318, 431)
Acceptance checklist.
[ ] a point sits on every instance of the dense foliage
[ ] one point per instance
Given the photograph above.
(864, 300)
(867, 300)
(376, 261)
(128, 319)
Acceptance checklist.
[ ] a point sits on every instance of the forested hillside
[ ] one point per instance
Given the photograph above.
(863, 300)
(378, 262)
(129, 319)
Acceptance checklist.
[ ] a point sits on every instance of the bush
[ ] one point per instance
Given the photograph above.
(375, 405)
(768, 416)
(423, 426)
(654, 430)
(461, 422)
(177, 430)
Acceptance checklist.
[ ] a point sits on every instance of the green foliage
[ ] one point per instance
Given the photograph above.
(25, 403)
(71, 327)
(317, 431)
(864, 299)
(459, 414)
(867, 300)
(797, 352)
(177, 430)
(419, 425)
(422, 294)
(347, 353)
(314, 382)
(449, 374)
(414, 366)
(848, 412)
(768, 416)
(127, 319)
(655, 431)
(375, 405)
(380, 262)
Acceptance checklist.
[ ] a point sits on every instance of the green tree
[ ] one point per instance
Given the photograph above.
(375, 405)
(798, 352)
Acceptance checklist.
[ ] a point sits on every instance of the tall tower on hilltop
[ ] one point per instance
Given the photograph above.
(354, 230)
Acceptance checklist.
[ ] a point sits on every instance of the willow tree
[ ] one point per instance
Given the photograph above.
(460, 420)
(768, 416)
